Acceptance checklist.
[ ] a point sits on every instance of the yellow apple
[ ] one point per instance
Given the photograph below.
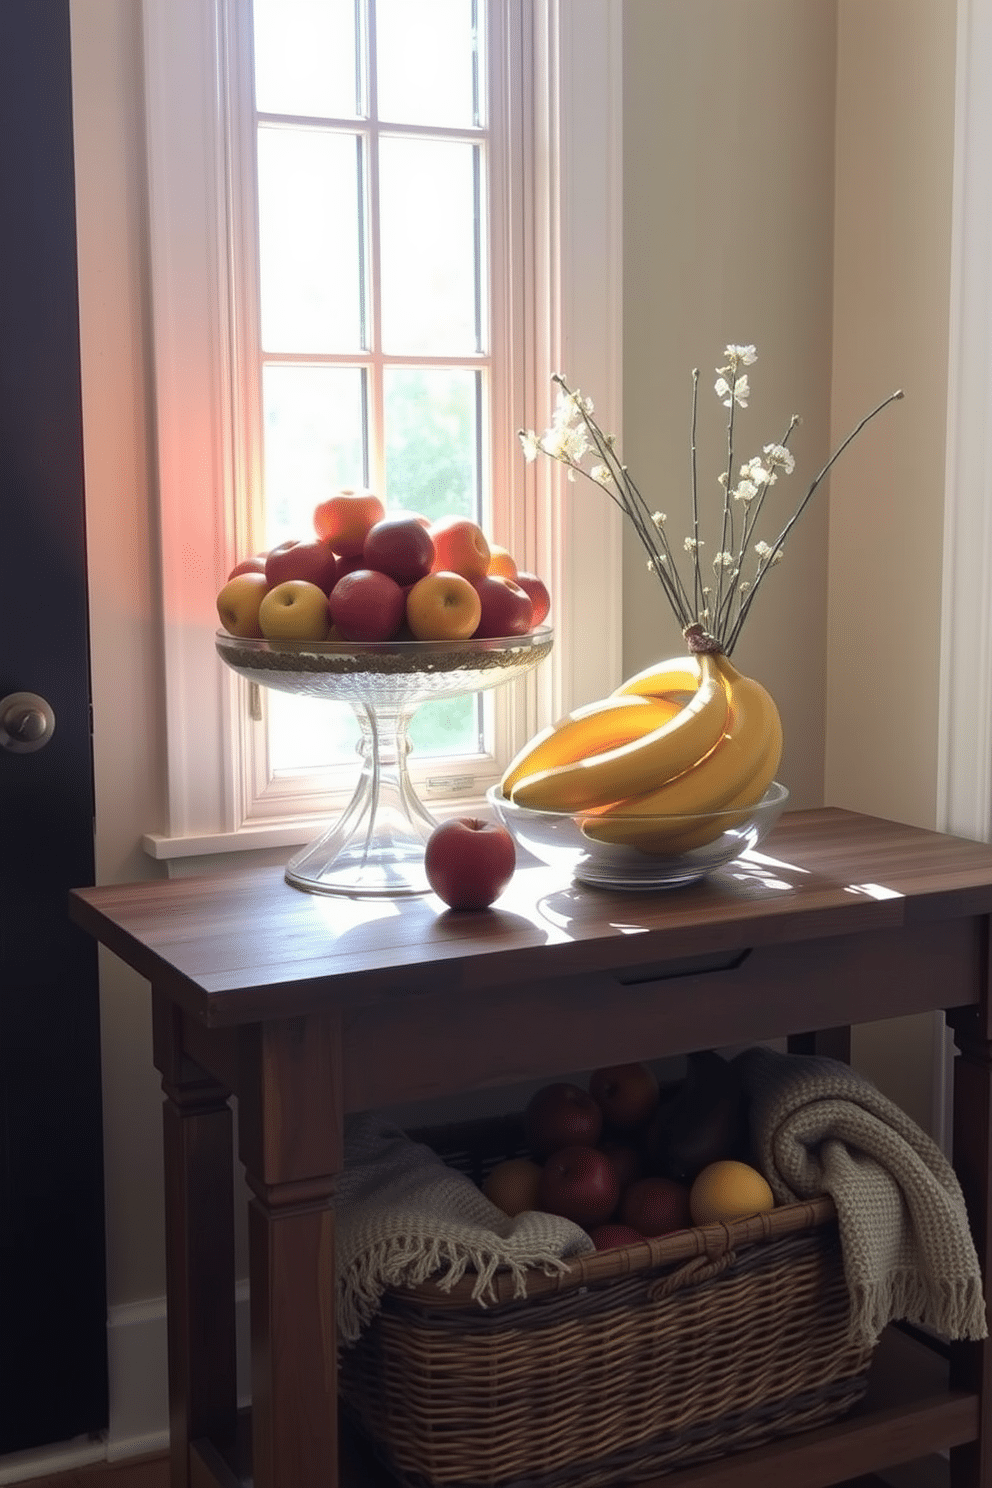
(443, 607)
(239, 601)
(502, 564)
(295, 611)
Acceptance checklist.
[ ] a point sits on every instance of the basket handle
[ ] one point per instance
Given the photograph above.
(699, 1269)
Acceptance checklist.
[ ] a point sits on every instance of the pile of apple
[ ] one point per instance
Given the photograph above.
(369, 576)
(596, 1154)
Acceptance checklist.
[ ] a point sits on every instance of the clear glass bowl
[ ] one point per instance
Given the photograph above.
(376, 846)
(563, 841)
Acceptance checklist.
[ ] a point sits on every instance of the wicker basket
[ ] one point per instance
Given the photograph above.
(634, 1362)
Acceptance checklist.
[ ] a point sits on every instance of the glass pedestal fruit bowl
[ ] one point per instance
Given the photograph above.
(376, 846)
(650, 858)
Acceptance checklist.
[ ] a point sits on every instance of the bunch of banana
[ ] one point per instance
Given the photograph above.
(648, 765)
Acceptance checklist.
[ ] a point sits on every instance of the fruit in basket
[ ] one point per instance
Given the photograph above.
(705, 1119)
(627, 1094)
(294, 611)
(506, 609)
(469, 862)
(443, 606)
(579, 1183)
(344, 519)
(239, 601)
(561, 1114)
(460, 546)
(512, 1185)
(655, 1206)
(611, 1236)
(400, 547)
(626, 1160)
(729, 1190)
(367, 606)
(314, 561)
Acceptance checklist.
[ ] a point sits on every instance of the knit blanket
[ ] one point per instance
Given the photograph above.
(402, 1215)
(818, 1127)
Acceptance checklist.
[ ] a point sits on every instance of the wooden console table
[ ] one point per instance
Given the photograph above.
(306, 1008)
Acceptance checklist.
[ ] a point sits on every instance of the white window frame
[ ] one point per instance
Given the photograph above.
(567, 304)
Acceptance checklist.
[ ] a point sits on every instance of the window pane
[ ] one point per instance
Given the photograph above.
(309, 733)
(427, 67)
(309, 240)
(447, 726)
(432, 440)
(430, 267)
(314, 442)
(305, 57)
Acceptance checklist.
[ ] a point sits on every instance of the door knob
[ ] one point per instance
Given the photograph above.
(27, 722)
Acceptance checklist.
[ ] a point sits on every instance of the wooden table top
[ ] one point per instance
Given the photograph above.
(245, 945)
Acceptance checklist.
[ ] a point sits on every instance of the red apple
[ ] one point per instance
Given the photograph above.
(345, 518)
(610, 1236)
(367, 606)
(627, 1094)
(538, 591)
(255, 564)
(580, 1184)
(400, 547)
(561, 1115)
(626, 1160)
(506, 608)
(316, 562)
(656, 1206)
(469, 862)
(443, 607)
(460, 546)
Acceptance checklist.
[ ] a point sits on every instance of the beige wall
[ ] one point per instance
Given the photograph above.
(728, 223)
(730, 236)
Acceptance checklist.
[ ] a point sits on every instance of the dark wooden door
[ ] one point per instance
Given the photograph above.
(53, 1372)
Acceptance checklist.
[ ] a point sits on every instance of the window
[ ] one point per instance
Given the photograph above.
(534, 134)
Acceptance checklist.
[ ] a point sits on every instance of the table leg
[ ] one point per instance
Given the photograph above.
(290, 1137)
(199, 1198)
(971, 1363)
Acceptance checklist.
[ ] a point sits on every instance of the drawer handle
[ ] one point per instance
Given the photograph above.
(684, 966)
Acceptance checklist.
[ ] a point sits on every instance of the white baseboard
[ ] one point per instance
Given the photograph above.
(137, 1359)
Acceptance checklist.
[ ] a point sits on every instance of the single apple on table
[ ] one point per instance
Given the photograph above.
(469, 862)
(561, 1114)
(294, 611)
(239, 601)
(345, 518)
(314, 561)
(627, 1094)
(580, 1184)
(460, 546)
(367, 606)
(400, 547)
(443, 607)
(507, 609)
(538, 591)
